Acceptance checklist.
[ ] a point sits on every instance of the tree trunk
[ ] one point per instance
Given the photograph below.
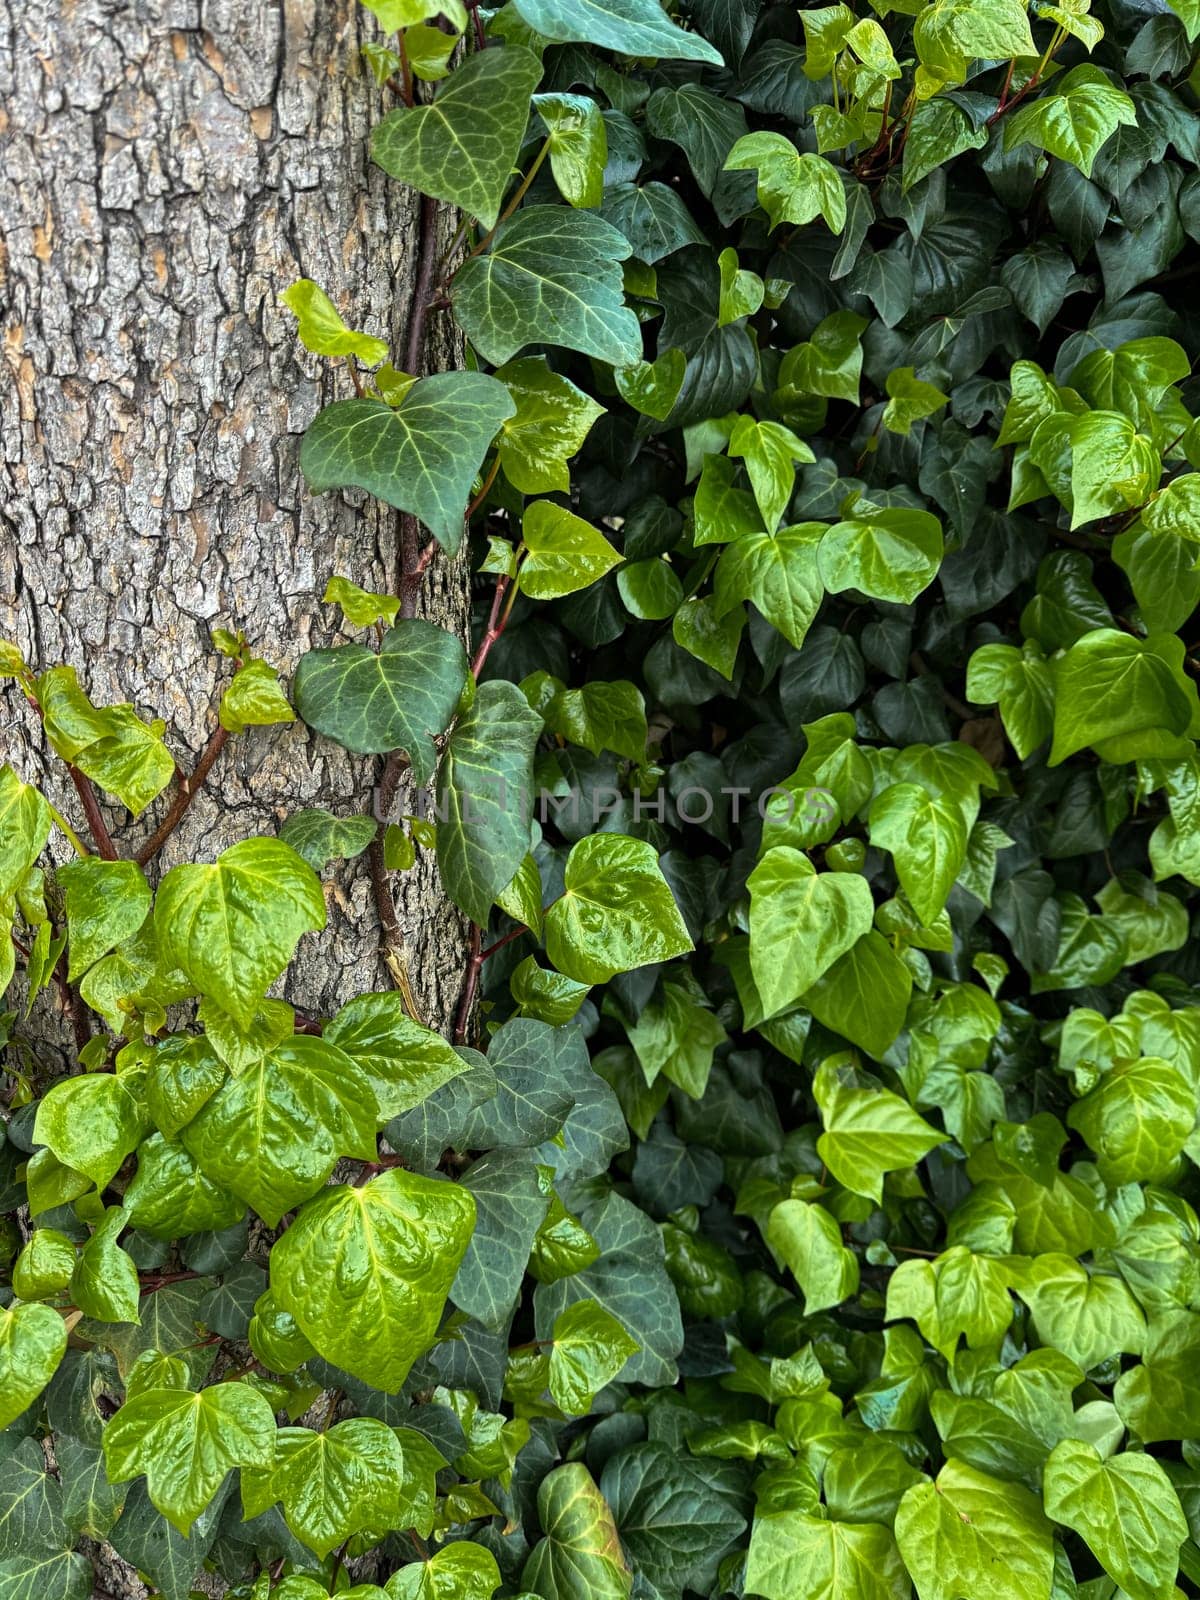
(170, 167)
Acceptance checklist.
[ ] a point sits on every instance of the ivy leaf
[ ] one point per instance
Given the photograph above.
(616, 911)
(254, 699)
(589, 1347)
(457, 1572)
(1158, 1400)
(778, 573)
(319, 837)
(565, 552)
(33, 1340)
(106, 903)
(769, 449)
(580, 1553)
(186, 1443)
(61, 1575)
(550, 276)
(552, 418)
(361, 607)
(958, 1295)
(1088, 1316)
(104, 1284)
(864, 995)
(25, 823)
(652, 219)
(531, 1099)
(510, 1206)
(404, 1061)
(31, 1505)
(484, 794)
(950, 34)
(398, 699)
(801, 921)
(365, 1271)
(910, 399)
(1125, 1508)
(109, 744)
(891, 553)
(358, 1474)
(462, 148)
(1074, 119)
(322, 330)
(807, 1239)
(91, 1123)
(742, 292)
(792, 187)
(938, 131)
(578, 143)
(1137, 1119)
(232, 927)
(1123, 696)
(421, 456)
(701, 123)
(1113, 467)
(273, 1133)
(794, 1556)
(972, 1534)
(927, 834)
(170, 1196)
(44, 1265)
(631, 27)
(867, 1132)
(1021, 682)
(652, 387)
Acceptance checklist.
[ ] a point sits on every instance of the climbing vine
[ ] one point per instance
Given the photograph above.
(800, 1203)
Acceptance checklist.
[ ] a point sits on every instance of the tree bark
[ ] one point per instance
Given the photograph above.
(169, 168)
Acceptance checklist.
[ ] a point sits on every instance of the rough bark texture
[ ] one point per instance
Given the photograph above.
(169, 168)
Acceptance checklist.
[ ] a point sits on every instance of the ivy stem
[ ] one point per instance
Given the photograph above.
(486, 487)
(1030, 84)
(97, 826)
(470, 984)
(393, 950)
(497, 621)
(187, 790)
(406, 76)
(500, 943)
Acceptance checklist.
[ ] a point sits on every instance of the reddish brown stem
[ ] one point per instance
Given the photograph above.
(495, 626)
(97, 826)
(500, 943)
(187, 791)
(466, 1003)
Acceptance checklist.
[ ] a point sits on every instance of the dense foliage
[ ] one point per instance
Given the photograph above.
(813, 1219)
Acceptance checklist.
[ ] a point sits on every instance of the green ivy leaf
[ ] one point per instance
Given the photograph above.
(1074, 119)
(588, 1349)
(485, 786)
(927, 834)
(550, 276)
(950, 34)
(794, 1556)
(33, 1340)
(104, 1284)
(254, 699)
(867, 1132)
(1123, 696)
(421, 456)
(170, 1196)
(91, 1123)
(186, 1443)
(652, 387)
(632, 27)
(769, 449)
(404, 1061)
(972, 1534)
(463, 147)
(322, 330)
(580, 1553)
(397, 699)
(890, 553)
(616, 911)
(807, 1239)
(358, 1474)
(578, 143)
(273, 1133)
(1126, 1510)
(233, 926)
(459, 1572)
(549, 424)
(107, 902)
(910, 400)
(801, 921)
(109, 744)
(564, 552)
(791, 187)
(365, 1271)
(1021, 682)
(778, 573)
(318, 837)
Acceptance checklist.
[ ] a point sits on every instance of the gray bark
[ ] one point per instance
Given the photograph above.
(168, 168)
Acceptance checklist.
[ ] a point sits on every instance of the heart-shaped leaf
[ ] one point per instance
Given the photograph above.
(33, 1340)
(420, 456)
(394, 700)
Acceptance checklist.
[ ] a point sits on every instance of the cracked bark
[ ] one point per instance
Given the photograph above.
(170, 167)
